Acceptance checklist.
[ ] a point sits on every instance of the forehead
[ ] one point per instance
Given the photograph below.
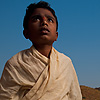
(42, 12)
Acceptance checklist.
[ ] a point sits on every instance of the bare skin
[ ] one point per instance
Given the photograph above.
(44, 50)
(42, 30)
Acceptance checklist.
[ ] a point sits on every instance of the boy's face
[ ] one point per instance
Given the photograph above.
(41, 27)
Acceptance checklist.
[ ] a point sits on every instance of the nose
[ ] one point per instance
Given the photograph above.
(44, 21)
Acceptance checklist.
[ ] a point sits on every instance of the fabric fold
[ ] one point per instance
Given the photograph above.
(36, 77)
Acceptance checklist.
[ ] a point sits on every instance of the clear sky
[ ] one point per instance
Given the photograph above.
(79, 34)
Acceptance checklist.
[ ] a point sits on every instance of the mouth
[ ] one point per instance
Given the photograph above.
(44, 31)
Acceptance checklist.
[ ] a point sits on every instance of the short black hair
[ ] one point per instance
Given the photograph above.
(30, 9)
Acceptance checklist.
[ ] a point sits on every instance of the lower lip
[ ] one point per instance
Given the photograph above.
(44, 31)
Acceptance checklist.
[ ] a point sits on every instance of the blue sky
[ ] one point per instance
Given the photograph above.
(79, 34)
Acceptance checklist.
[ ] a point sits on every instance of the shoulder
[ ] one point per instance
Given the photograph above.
(14, 60)
(14, 66)
(62, 57)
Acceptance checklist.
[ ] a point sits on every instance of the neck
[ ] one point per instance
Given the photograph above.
(44, 49)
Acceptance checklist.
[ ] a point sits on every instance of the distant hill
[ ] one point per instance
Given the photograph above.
(90, 93)
(98, 88)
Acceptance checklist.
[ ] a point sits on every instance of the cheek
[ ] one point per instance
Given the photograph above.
(32, 25)
(53, 28)
(32, 28)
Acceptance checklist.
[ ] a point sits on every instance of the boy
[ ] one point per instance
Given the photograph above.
(40, 72)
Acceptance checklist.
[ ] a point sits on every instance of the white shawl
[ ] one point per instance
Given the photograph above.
(31, 76)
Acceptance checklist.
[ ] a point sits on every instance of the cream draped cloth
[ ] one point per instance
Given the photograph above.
(31, 76)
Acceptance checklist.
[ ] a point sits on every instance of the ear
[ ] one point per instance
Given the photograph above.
(56, 36)
(25, 33)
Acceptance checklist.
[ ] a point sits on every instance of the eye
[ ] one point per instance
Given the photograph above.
(50, 20)
(35, 18)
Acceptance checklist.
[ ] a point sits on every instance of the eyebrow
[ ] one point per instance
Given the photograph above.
(48, 16)
(35, 16)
